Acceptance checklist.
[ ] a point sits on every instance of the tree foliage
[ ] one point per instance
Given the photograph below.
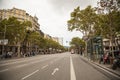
(13, 30)
(92, 24)
(20, 33)
(77, 42)
(108, 23)
(82, 20)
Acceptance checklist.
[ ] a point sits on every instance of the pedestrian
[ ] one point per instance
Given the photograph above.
(105, 58)
(21, 54)
(111, 59)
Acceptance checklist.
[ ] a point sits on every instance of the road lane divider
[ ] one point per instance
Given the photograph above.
(72, 71)
(4, 70)
(26, 60)
(55, 70)
(19, 66)
(23, 65)
(29, 75)
(44, 67)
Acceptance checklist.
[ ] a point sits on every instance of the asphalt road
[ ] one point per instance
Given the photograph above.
(64, 66)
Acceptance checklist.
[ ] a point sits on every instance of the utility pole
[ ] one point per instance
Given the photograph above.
(3, 48)
(4, 40)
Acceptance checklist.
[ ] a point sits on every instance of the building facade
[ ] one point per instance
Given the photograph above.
(46, 36)
(58, 39)
(108, 46)
(21, 15)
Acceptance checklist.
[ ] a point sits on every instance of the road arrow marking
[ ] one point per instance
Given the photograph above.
(55, 70)
(72, 73)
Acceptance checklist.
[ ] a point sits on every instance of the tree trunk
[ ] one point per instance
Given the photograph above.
(112, 50)
(18, 50)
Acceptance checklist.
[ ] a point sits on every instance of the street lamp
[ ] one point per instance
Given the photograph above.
(1, 34)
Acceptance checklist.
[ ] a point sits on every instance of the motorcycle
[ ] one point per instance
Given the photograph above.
(116, 63)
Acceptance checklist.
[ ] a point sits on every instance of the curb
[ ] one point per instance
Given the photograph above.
(91, 63)
(110, 70)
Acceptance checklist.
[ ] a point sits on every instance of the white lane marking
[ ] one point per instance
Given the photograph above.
(4, 70)
(29, 75)
(8, 63)
(16, 62)
(26, 60)
(55, 70)
(44, 66)
(72, 71)
(21, 66)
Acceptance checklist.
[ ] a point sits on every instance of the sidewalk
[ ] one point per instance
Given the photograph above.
(104, 66)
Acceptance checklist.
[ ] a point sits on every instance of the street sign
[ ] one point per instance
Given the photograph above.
(4, 41)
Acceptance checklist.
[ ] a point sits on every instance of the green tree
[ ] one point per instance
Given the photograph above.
(109, 21)
(14, 31)
(104, 24)
(53, 45)
(43, 43)
(78, 43)
(82, 20)
(31, 40)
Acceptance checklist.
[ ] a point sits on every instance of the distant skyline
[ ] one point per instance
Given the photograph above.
(52, 14)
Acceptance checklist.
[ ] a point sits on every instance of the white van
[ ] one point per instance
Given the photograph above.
(72, 51)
